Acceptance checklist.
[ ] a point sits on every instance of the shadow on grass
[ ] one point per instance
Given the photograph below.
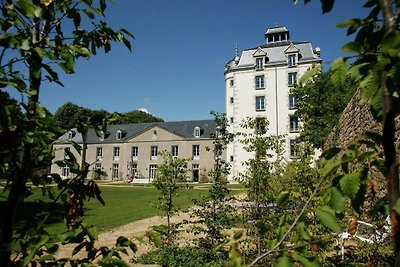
(33, 212)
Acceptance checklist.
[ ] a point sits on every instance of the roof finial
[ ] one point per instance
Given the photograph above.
(236, 54)
(236, 50)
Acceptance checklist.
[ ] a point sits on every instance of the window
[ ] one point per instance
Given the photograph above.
(218, 133)
(135, 170)
(152, 171)
(231, 158)
(259, 82)
(116, 153)
(293, 144)
(232, 100)
(294, 124)
(195, 172)
(292, 101)
(259, 63)
(99, 153)
(101, 137)
(135, 152)
(231, 119)
(197, 132)
(292, 60)
(115, 171)
(260, 103)
(97, 170)
(119, 135)
(65, 172)
(97, 167)
(174, 151)
(67, 150)
(231, 82)
(292, 78)
(71, 135)
(153, 152)
(196, 151)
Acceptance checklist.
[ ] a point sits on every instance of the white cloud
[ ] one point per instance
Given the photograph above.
(144, 110)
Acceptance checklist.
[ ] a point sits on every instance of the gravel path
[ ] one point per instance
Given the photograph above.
(131, 231)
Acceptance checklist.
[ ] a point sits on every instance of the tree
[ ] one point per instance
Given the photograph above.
(261, 169)
(169, 175)
(376, 69)
(215, 213)
(137, 116)
(69, 115)
(38, 39)
(319, 105)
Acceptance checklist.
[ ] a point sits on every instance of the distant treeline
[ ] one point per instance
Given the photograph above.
(69, 115)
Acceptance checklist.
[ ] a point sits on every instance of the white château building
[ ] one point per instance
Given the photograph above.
(258, 84)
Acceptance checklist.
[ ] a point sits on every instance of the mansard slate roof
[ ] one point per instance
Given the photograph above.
(185, 129)
(275, 53)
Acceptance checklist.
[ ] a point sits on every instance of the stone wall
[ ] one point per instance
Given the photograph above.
(357, 119)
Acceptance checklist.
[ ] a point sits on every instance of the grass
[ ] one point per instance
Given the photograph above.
(124, 204)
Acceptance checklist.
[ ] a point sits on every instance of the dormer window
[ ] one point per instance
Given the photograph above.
(101, 136)
(218, 133)
(292, 60)
(196, 132)
(119, 135)
(259, 63)
(71, 134)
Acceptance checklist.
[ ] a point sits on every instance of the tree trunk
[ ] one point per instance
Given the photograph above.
(392, 175)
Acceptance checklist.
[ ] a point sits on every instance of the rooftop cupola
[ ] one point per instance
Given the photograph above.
(276, 34)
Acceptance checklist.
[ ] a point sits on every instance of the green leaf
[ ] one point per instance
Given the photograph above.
(328, 218)
(309, 74)
(25, 45)
(332, 152)
(283, 262)
(88, 13)
(92, 233)
(358, 201)
(338, 202)
(352, 47)
(122, 241)
(26, 7)
(282, 197)
(397, 206)
(220, 245)
(391, 44)
(238, 234)
(77, 146)
(346, 24)
(327, 5)
(339, 72)
(330, 166)
(350, 184)
(305, 261)
(303, 233)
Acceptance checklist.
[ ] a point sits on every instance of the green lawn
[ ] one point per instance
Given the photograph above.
(124, 204)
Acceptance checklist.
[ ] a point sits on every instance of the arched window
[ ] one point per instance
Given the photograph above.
(197, 132)
(119, 135)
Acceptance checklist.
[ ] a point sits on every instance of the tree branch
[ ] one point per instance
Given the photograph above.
(291, 226)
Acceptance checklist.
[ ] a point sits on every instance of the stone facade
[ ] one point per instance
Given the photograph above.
(258, 82)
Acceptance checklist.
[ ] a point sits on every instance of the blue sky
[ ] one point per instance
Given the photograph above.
(176, 68)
